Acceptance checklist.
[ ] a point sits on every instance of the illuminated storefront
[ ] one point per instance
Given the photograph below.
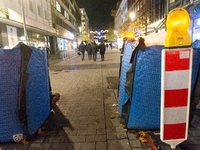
(11, 35)
(68, 42)
(196, 29)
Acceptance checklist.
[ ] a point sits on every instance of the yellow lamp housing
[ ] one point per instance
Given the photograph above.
(130, 35)
(178, 21)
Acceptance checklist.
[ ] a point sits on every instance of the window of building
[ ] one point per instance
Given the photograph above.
(30, 5)
(137, 6)
(70, 9)
(178, 4)
(58, 6)
(171, 1)
(39, 10)
(140, 4)
(45, 14)
(66, 15)
(198, 22)
(72, 2)
(186, 1)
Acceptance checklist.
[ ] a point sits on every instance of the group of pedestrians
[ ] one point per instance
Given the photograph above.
(92, 48)
(109, 45)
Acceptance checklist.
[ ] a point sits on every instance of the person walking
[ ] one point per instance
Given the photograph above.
(82, 50)
(94, 50)
(106, 46)
(89, 51)
(102, 48)
(110, 46)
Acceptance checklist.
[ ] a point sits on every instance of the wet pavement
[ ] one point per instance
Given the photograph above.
(85, 118)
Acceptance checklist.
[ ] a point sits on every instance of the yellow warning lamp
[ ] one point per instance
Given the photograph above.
(178, 21)
(129, 35)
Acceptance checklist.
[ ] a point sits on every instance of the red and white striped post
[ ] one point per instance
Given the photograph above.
(175, 94)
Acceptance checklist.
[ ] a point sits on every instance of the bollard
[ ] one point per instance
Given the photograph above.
(176, 74)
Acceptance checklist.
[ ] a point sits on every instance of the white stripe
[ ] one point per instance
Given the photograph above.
(175, 115)
(176, 79)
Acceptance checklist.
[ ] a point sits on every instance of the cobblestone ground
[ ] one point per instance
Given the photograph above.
(88, 91)
(85, 118)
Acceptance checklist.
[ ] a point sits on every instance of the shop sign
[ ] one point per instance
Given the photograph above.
(12, 36)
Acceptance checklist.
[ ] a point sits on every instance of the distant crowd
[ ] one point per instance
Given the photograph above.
(92, 48)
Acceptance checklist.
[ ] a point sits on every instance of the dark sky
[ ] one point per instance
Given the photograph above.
(98, 11)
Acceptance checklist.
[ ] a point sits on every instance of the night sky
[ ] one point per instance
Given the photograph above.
(98, 11)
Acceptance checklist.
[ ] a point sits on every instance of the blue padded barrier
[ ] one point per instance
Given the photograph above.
(37, 90)
(10, 63)
(196, 44)
(145, 105)
(124, 68)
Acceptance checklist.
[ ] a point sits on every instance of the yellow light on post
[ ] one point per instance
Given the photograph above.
(130, 35)
(178, 21)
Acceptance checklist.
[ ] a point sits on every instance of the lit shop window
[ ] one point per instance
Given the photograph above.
(58, 6)
(66, 15)
(198, 22)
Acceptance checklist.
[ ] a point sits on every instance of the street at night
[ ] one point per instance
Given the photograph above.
(99, 74)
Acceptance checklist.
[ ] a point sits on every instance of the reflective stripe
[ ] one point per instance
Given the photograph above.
(175, 115)
(174, 131)
(176, 79)
(177, 60)
(176, 98)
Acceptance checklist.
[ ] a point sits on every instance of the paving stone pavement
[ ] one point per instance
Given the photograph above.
(85, 118)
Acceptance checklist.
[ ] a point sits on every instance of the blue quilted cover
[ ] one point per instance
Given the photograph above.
(10, 62)
(124, 68)
(145, 106)
(196, 44)
(37, 92)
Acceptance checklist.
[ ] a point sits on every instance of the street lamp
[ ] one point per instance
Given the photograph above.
(80, 29)
(132, 17)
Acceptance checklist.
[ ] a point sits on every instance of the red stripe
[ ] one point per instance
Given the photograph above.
(176, 98)
(173, 61)
(174, 131)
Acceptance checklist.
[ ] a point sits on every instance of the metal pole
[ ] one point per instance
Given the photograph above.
(167, 7)
(24, 24)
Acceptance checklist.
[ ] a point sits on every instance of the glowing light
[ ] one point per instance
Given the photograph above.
(130, 34)
(178, 21)
(132, 16)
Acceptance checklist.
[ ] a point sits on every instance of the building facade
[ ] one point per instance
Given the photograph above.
(84, 31)
(150, 16)
(84, 20)
(65, 18)
(121, 21)
(38, 22)
(48, 22)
